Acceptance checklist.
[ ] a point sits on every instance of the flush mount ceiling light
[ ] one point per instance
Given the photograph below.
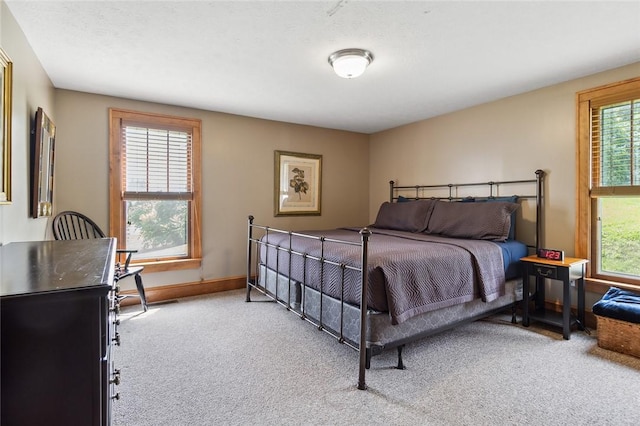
(350, 63)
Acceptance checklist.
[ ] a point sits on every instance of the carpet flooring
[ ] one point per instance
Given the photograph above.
(217, 360)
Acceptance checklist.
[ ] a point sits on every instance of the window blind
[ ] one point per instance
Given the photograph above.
(157, 162)
(615, 148)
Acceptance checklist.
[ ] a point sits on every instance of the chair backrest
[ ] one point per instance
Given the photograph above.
(75, 226)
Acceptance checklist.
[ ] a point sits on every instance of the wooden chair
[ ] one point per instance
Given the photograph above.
(70, 225)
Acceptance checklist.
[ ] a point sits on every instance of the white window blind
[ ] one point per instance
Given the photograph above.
(157, 162)
(615, 149)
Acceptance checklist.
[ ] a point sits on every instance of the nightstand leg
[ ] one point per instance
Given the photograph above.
(540, 294)
(566, 310)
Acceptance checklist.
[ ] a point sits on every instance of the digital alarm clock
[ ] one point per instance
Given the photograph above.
(551, 254)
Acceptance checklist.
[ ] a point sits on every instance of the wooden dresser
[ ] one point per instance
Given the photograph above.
(58, 322)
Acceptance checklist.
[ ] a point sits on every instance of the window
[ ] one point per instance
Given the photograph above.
(155, 188)
(608, 222)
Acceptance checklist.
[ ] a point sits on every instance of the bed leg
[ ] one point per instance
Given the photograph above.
(400, 365)
(514, 320)
(368, 355)
(250, 234)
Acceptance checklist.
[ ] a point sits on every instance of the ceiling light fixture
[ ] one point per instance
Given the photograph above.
(350, 63)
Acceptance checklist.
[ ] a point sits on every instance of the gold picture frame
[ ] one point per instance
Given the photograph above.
(297, 184)
(6, 85)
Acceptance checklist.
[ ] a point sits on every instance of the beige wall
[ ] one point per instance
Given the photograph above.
(31, 89)
(237, 177)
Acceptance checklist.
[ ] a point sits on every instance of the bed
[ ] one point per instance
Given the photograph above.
(436, 256)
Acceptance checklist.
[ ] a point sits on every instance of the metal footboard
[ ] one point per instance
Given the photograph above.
(257, 236)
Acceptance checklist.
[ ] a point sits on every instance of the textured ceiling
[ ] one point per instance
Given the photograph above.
(268, 59)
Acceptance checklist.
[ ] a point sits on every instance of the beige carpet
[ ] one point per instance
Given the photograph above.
(217, 360)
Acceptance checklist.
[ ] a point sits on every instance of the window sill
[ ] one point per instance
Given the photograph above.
(170, 265)
(596, 285)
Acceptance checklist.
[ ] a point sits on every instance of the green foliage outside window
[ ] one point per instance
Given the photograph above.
(620, 235)
(158, 225)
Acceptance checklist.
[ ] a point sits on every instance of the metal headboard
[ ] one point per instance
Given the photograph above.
(452, 192)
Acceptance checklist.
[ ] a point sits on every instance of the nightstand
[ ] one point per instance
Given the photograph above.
(570, 270)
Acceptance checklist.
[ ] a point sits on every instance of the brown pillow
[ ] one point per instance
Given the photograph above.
(411, 216)
(478, 221)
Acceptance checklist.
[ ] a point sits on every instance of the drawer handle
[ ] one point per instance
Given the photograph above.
(116, 377)
(545, 272)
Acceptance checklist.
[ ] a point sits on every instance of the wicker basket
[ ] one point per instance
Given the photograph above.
(619, 336)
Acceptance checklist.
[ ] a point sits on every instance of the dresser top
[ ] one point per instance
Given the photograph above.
(55, 266)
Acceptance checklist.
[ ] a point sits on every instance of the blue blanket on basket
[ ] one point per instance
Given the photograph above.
(619, 304)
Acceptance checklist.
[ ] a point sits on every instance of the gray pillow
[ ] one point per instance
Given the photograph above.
(478, 221)
(411, 216)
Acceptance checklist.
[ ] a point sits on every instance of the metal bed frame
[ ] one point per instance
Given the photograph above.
(418, 192)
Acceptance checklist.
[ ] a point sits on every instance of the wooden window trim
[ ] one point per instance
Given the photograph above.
(585, 100)
(116, 214)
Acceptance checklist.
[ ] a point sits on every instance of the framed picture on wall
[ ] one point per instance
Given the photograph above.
(42, 165)
(298, 183)
(6, 84)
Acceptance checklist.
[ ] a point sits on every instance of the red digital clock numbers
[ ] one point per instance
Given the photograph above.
(551, 254)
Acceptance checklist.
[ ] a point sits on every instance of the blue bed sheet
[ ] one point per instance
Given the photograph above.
(512, 251)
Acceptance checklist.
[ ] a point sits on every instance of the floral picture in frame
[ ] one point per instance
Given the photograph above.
(298, 181)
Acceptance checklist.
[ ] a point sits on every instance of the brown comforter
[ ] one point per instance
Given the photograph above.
(409, 273)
